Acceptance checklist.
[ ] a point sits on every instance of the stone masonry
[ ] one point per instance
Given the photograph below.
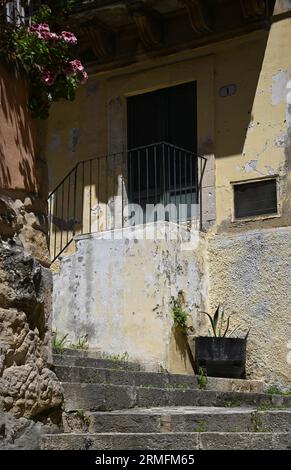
(28, 388)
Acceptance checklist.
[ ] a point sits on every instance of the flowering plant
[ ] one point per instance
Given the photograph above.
(46, 56)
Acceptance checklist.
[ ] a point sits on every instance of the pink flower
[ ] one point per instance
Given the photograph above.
(73, 67)
(85, 78)
(44, 27)
(42, 34)
(53, 36)
(48, 77)
(68, 37)
(33, 28)
(77, 65)
(41, 28)
(42, 31)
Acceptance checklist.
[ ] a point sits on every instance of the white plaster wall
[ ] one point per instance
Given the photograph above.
(119, 291)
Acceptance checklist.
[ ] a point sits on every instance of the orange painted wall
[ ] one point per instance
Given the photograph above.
(17, 133)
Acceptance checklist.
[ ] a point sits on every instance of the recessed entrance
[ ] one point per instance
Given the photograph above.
(162, 147)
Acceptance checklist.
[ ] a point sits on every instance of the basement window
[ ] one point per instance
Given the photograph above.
(255, 198)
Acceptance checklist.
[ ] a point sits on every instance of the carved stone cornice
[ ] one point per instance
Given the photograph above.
(98, 37)
(252, 8)
(101, 39)
(148, 23)
(196, 14)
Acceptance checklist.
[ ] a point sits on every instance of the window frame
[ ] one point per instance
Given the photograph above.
(259, 216)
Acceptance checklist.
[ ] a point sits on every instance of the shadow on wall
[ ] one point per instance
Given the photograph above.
(17, 132)
(240, 67)
(80, 201)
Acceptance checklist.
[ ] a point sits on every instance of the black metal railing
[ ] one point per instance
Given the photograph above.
(19, 12)
(156, 182)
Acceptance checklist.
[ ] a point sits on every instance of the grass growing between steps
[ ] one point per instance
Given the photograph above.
(271, 406)
(200, 427)
(232, 404)
(274, 390)
(116, 357)
(257, 423)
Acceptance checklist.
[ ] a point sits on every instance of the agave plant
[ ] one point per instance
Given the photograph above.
(220, 324)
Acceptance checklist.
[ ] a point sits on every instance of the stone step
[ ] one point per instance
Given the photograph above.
(180, 419)
(153, 379)
(80, 361)
(83, 353)
(169, 441)
(103, 397)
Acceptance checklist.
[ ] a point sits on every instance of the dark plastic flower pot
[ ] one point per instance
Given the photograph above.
(221, 357)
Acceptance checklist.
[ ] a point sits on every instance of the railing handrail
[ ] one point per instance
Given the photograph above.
(169, 145)
(135, 149)
(80, 162)
(164, 184)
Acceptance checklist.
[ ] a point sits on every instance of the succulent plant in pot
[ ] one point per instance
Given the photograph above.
(221, 353)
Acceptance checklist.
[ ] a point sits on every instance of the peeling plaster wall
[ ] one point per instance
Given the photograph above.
(253, 126)
(119, 292)
(250, 274)
(247, 262)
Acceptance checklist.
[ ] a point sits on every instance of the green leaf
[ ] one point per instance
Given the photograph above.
(215, 318)
(227, 327)
(235, 329)
(221, 322)
(212, 322)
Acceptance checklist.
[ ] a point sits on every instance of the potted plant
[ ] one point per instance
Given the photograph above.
(221, 354)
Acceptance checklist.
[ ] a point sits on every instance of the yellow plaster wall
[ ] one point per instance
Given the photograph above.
(251, 126)
(245, 131)
(248, 134)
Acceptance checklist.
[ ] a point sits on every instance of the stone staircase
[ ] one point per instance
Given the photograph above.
(114, 405)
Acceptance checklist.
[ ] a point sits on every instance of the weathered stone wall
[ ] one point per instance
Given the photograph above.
(250, 274)
(30, 394)
(27, 387)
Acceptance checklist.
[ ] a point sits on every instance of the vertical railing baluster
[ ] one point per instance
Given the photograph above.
(50, 222)
(122, 189)
(147, 175)
(56, 212)
(175, 179)
(107, 192)
(138, 170)
(62, 216)
(130, 178)
(98, 196)
(185, 184)
(191, 156)
(68, 206)
(75, 202)
(90, 196)
(169, 172)
(164, 175)
(155, 171)
(82, 189)
(114, 192)
(201, 212)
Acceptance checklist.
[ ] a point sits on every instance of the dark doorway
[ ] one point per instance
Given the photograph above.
(162, 146)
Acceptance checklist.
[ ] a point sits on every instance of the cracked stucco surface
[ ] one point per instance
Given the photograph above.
(250, 274)
(119, 292)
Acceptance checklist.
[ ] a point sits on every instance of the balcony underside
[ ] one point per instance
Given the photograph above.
(117, 33)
